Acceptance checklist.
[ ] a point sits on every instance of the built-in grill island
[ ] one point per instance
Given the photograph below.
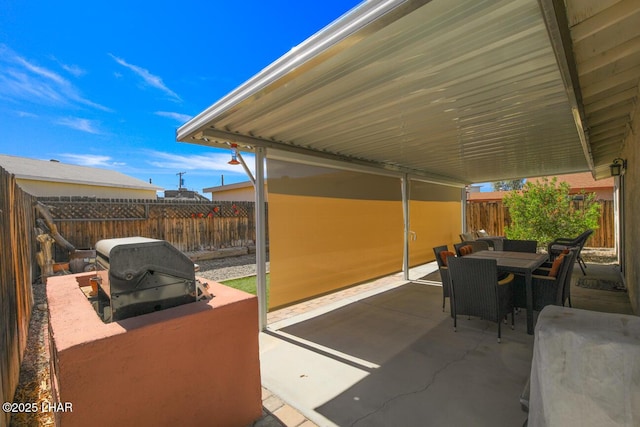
(138, 275)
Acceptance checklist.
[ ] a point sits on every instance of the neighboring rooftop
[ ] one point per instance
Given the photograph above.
(183, 194)
(577, 182)
(227, 187)
(236, 192)
(584, 180)
(42, 178)
(55, 171)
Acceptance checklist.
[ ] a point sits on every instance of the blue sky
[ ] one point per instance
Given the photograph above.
(106, 84)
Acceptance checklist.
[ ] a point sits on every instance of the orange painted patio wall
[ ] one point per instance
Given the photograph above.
(330, 228)
(192, 365)
(330, 243)
(435, 223)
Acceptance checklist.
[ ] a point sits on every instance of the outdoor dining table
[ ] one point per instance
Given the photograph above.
(523, 263)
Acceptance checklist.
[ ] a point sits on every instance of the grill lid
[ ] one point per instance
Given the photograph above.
(143, 275)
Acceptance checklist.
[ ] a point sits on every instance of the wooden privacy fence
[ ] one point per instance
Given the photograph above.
(17, 243)
(190, 226)
(494, 217)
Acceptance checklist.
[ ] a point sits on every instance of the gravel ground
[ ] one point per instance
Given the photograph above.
(229, 268)
(33, 384)
(599, 255)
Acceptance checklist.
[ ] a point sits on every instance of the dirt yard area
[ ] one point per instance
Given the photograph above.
(599, 255)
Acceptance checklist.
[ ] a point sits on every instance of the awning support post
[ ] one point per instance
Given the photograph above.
(407, 225)
(261, 235)
(463, 209)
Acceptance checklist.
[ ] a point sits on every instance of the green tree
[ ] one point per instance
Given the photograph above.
(514, 184)
(544, 210)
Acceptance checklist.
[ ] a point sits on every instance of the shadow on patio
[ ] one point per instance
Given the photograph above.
(392, 358)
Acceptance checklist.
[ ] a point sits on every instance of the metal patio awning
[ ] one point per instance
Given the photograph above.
(454, 91)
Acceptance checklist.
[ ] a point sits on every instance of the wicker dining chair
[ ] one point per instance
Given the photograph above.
(566, 287)
(439, 251)
(465, 237)
(514, 245)
(548, 285)
(476, 291)
(549, 290)
(481, 233)
(558, 245)
(476, 246)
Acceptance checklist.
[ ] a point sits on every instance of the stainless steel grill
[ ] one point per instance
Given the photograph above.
(138, 275)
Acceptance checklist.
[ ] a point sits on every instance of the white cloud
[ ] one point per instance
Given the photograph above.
(204, 164)
(84, 125)
(23, 80)
(25, 114)
(147, 77)
(91, 160)
(182, 118)
(42, 72)
(72, 69)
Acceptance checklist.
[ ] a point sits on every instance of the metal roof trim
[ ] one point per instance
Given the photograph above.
(555, 17)
(248, 143)
(344, 165)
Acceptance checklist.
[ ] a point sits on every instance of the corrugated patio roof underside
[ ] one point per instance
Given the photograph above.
(455, 91)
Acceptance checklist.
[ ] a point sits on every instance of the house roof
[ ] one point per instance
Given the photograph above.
(577, 182)
(54, 171)
(227, 187)
(454, 93)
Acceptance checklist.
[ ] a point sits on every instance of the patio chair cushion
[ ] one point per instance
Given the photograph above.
(544, 268)
(466, 250)
(444, 255)
(555, 268)
(506, 279)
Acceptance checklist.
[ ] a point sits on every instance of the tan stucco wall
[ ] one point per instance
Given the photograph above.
(46, 188)
(631, 153)
(245, 194)
(192, 365)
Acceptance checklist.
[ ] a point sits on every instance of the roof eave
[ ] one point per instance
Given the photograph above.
(88, 183)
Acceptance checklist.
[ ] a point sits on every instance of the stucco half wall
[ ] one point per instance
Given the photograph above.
(192, 365)
(331, 228)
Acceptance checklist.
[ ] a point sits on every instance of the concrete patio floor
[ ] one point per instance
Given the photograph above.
(385, 354)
